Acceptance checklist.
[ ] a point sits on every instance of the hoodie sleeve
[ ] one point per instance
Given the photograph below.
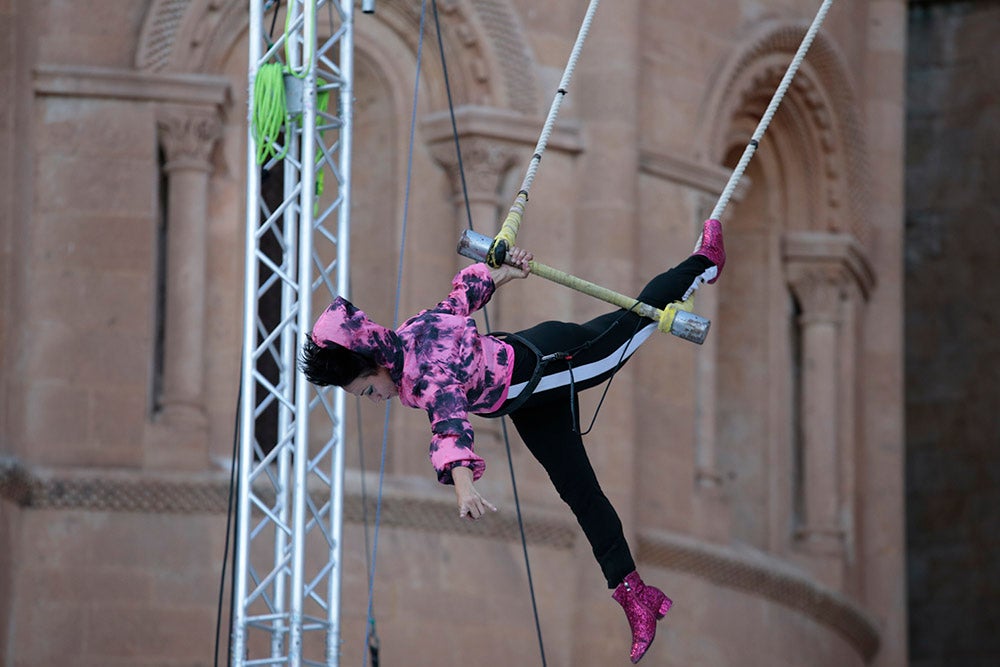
(452, 437)
(471, 289)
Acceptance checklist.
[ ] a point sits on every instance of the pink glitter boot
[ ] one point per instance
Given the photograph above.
(710, 245)
(643, 605)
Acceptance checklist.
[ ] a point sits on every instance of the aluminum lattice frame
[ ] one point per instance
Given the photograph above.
(286, 572)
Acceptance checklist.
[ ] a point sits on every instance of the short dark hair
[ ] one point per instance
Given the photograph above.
(334, 364)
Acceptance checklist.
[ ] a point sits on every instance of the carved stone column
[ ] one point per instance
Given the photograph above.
(188, 136)
(820, 291)
(829, 278)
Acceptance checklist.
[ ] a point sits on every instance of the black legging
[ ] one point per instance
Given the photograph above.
(546, 421)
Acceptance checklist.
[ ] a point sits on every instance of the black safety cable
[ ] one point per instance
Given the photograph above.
(568, 358)
(232, 480)
(564, 355)
(373, 641)
(395, 322)
(229, 525)
(274, 21)
(503, 421)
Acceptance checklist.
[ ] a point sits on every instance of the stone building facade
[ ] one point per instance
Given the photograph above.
(760, 476)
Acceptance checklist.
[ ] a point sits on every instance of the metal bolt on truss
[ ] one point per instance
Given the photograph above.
(287, 565)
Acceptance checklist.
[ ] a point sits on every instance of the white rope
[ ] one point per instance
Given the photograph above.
(758, 134)
(543, 139)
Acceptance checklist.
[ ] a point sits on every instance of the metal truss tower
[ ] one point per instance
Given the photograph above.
(287, 565)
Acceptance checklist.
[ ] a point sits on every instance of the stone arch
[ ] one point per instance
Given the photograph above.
(800, 271)
(818, 115)
(174, 32)
(488, 58)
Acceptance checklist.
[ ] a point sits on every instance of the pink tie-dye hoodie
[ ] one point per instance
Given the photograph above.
(439, 362)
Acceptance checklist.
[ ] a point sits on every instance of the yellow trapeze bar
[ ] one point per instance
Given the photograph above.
(677, 318)
(692, 327)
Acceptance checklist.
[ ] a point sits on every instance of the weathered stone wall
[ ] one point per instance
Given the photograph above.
(765, 495)
(953, 332)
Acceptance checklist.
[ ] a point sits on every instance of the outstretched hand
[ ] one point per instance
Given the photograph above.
(517, 266)
(471, 505)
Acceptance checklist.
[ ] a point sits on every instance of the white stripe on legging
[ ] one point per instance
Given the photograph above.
(591, 370)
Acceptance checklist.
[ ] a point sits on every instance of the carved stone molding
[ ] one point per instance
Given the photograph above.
(175, 33)
(807, 95)
(102, 82)
(500, 124)
(703, 176)
(765, 577)
(156, 41)
(489, 59)
(514, 60)
(207, 493)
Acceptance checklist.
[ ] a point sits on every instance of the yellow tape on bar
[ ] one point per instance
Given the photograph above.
(666, 320)
(509, 228)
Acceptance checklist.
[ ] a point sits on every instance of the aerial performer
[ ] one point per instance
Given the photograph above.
(438, 361)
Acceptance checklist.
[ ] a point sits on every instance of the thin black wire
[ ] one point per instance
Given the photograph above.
(373, 641)
(274, 22)
(618, 366)
(229, 524)
(395, 316)
(454, 129)
(232, 476)
(503, 421)
(468, 215)
(364, 496)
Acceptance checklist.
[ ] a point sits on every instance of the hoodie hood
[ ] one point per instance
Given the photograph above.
(346, 325)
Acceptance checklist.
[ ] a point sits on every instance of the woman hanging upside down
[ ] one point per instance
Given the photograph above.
(438, 361)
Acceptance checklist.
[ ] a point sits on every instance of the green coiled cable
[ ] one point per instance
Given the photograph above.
(269, 111)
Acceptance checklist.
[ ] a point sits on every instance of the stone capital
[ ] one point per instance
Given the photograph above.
(820, 289)
(492, 142)
(823, 270)
(833, 253)
(188, 135)
(484, 162)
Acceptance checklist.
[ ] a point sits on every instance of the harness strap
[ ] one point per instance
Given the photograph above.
(541, 361)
